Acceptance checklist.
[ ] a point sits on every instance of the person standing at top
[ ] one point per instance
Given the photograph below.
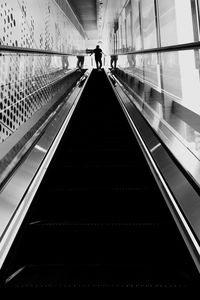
(98, 55)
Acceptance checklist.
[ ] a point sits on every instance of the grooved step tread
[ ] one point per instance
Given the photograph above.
(59, 276)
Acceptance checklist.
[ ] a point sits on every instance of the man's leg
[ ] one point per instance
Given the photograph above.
(96, 60)
(100, 63)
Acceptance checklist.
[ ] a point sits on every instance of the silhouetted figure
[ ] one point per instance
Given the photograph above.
(113, 61)
(80, 61)
(65, 62)
(131, 60)
(98, 55)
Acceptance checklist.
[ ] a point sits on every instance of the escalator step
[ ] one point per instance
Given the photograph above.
(102, 243)
(98, 177)
(110, 254)
(86, 205)
(59, 276)
(103, 157)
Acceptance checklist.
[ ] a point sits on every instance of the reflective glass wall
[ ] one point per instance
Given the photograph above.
(160, 62)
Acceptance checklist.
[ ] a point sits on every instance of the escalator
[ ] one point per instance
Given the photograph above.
(98, 218)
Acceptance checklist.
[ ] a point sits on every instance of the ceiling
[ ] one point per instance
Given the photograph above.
(86, 12)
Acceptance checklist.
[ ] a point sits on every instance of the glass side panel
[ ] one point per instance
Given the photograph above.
(148, 24)
(175, 19)
(167, 20)
(137, 42)
(170, 84)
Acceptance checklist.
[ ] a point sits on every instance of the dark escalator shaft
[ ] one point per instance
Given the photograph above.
(98, 218)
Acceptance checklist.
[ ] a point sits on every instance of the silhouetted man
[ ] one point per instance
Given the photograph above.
(98, 55)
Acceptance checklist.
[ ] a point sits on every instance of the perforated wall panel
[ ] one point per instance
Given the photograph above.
(27, 80)
(38, 24)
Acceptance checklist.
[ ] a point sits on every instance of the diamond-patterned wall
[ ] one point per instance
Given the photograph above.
(38, 24)
(27, 80)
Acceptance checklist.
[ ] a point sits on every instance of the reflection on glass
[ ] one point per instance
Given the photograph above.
(128, 12)
(148, 24)
(171, 74)
(151, 69)
(167, 21)
(169, 86)
(137, 43)
(175, 19)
